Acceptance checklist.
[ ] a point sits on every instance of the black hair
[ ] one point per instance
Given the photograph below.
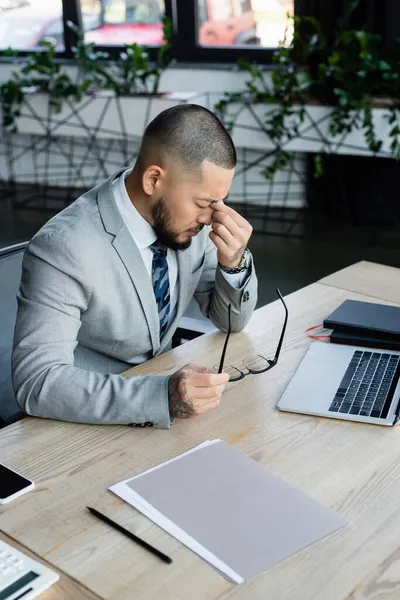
(190, 134)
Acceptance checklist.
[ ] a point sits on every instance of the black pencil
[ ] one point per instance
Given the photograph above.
(130, 535)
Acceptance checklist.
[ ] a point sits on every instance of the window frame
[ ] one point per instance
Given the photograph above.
(187, 48)
(183, 13)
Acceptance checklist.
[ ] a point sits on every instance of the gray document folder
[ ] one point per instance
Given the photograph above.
(233, 507)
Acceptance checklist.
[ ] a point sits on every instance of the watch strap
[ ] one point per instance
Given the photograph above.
(242, 266)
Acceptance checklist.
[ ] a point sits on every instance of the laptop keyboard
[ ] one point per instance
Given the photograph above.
(368, 385)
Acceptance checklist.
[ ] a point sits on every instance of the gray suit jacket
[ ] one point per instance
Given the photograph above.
(86, 312)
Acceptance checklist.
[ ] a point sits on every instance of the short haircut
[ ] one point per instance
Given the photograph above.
(188, 134)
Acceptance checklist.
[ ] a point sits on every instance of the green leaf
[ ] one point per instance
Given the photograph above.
(312, 20)
(384, 65)
(244, 65)
(334, 58)
(10, 52)
(318, 166)
(314, 41)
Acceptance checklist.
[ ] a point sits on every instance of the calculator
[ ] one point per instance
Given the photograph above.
(22, 578)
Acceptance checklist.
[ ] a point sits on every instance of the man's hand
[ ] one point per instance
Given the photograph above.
(194, 390)
(230, 233)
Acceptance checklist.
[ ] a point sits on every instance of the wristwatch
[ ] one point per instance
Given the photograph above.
(242, 266)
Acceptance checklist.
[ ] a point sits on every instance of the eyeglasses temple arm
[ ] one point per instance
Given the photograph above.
(278, 350)
(221, 364)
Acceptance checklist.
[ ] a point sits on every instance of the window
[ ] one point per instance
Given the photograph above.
(242, 22)
(24, 24)
(122, 22)
(204, 30)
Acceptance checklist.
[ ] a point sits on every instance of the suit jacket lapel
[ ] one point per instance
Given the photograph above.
(132, 259)
(130, 256)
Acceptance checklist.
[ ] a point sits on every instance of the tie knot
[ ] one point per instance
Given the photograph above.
(158, 249)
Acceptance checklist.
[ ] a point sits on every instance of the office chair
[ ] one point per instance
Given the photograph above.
(10, 277)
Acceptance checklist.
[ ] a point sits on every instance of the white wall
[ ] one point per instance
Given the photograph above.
(201, 80)
(287, 189)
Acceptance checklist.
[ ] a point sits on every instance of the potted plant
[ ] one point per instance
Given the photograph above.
(338, 94)
(114, 98)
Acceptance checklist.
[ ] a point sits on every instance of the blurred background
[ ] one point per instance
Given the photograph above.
(220, 22)
(54, 147)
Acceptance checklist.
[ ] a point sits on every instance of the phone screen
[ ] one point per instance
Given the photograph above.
(11, 482)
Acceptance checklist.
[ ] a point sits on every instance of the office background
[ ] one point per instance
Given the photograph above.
(304, 227)
(317, 177)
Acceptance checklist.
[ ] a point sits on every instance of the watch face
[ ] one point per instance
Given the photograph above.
(244, 263)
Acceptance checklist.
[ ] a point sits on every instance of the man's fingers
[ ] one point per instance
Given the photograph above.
(205, 377)
(199, 406)
(194, 390)
(201, 392)
(195, 393)
(226, 220)
(221, 245)
(224, 233)
(199, 380)
(197, 368)
(223, 208)
(206, 407)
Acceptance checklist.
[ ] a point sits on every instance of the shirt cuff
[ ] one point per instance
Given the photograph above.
(236, 280)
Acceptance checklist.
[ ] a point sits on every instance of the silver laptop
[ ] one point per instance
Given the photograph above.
(346, 382)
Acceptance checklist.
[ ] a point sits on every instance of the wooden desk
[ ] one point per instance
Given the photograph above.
(353, 468)
(65, 588)
(368, 278)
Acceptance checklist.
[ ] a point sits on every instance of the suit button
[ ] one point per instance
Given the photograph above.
(246, 296)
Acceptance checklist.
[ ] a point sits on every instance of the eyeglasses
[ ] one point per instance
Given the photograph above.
(256, 364)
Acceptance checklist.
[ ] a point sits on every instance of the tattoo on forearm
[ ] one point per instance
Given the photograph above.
(179, 404)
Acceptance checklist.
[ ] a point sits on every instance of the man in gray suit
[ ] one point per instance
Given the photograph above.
(106, 282)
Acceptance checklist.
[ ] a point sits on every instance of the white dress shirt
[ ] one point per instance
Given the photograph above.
(144, 235)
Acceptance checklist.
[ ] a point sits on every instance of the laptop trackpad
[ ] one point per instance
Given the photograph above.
(314, 385)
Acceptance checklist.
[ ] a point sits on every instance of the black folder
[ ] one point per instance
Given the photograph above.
(366, 320)
(352, 339)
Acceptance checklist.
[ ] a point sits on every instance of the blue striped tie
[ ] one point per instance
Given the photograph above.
(159, 275)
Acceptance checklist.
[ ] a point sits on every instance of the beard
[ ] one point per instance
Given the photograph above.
(162, 225)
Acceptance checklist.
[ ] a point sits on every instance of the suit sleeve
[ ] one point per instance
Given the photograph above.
(214, 293)
(54, 293)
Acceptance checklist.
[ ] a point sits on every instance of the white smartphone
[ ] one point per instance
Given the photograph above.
(12, 484)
